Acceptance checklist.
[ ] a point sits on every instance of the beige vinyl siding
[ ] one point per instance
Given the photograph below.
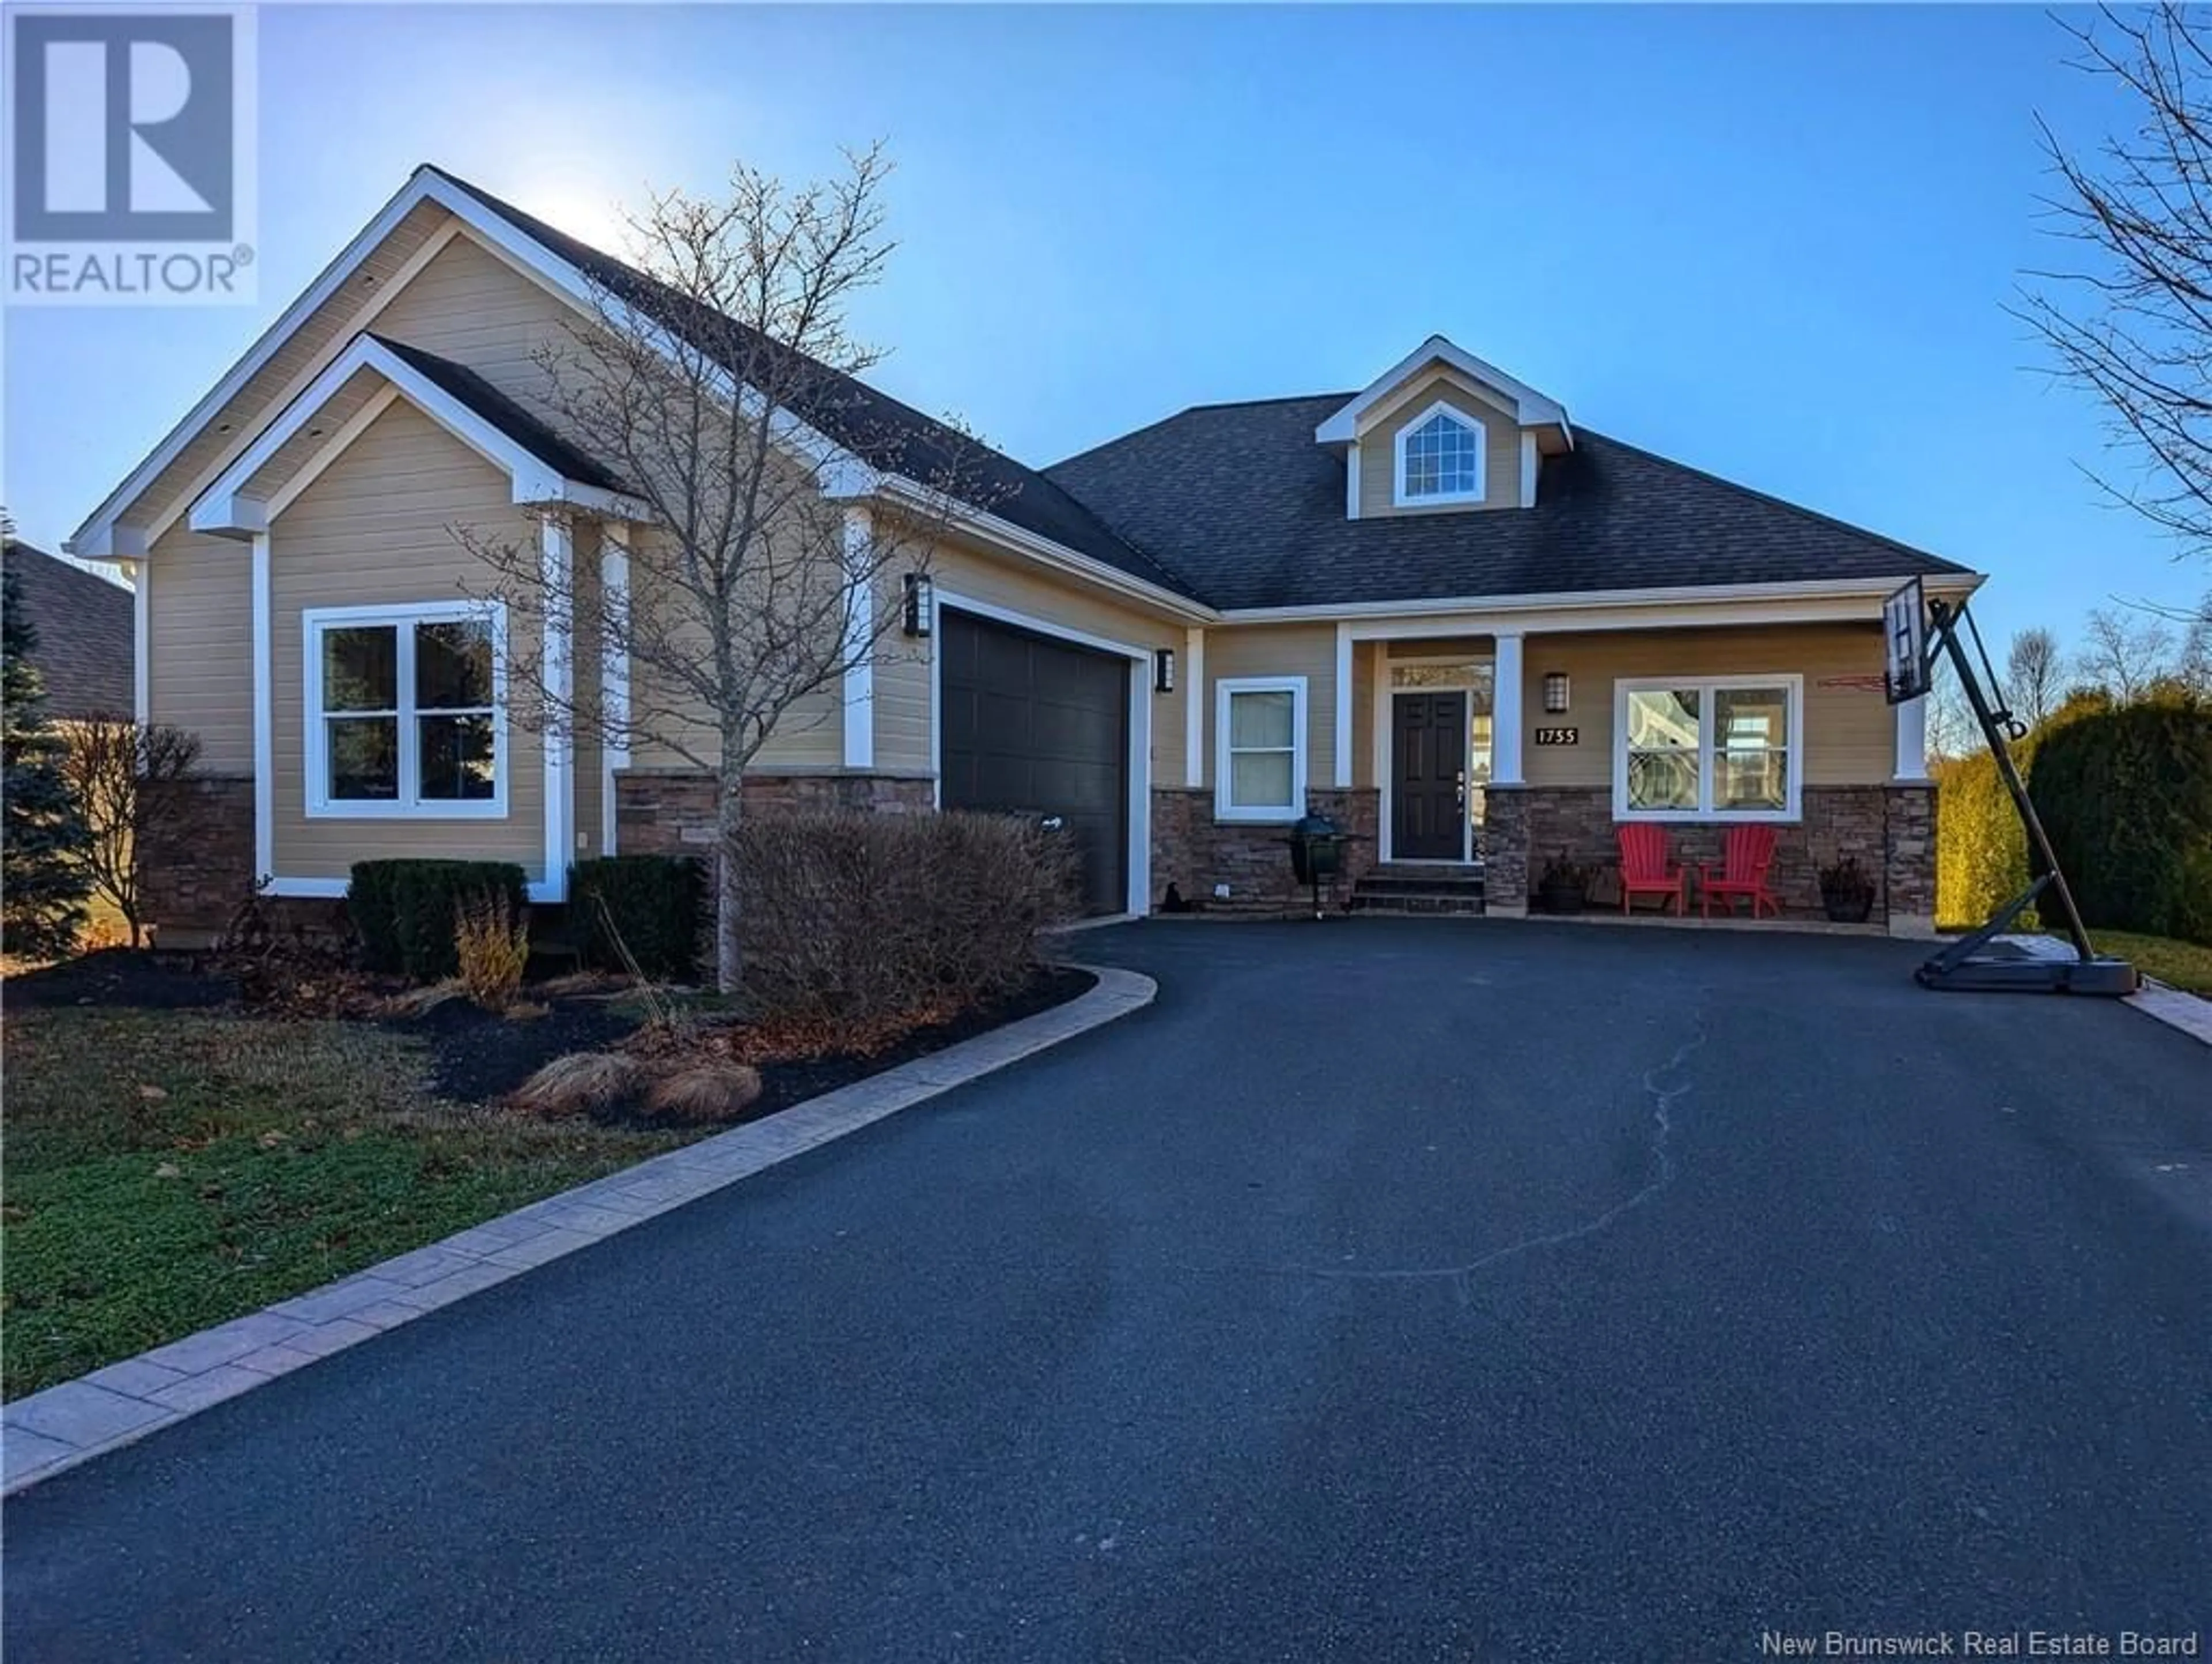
(1378, 452)
(199, 656)
(1290, 649)
(373, 530)
(1851, 734)
(470, 306)
(902, 672)
(810, 739)
(1363, 712)
(320, 336)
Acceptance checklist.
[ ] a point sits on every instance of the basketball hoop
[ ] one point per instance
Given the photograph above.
(1904, 637)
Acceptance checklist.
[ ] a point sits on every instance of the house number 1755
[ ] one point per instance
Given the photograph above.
(1558, 736)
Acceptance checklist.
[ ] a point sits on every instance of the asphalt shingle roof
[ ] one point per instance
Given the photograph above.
(503, 413)
(85, 640)
(1241, 498)
(873, 425)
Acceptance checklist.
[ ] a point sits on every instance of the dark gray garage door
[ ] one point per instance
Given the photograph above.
(1036, 726)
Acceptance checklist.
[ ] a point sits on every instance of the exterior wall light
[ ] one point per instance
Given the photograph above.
(1164, 670)
(921, 603)
(1555, 693)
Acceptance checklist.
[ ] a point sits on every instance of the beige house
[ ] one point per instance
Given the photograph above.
(1436, 609)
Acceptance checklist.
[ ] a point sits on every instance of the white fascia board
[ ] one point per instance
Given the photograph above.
(1371, 620)
(223, 510)
(1019, 539)
(1531, 408)
(100, 538)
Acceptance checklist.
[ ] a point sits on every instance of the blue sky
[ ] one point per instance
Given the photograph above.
(1772, 243)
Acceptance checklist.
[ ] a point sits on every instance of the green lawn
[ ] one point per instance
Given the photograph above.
(169, 1170)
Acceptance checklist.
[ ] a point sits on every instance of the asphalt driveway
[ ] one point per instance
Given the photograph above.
(1389, 1290)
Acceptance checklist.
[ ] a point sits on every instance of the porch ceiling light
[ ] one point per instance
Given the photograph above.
(921, 603)
(1555, 693)
(1164, 670)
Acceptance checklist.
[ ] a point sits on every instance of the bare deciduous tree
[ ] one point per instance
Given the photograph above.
(777, 503)
(2035, 675)
(135, 786)
(2125, 654)
(2132, 322)
(1951, 731)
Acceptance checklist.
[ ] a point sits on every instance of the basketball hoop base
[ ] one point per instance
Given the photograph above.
(2114, 978)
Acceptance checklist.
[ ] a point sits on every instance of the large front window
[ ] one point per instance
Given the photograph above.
(1725, 748)
(404, 711)
(1260, 758)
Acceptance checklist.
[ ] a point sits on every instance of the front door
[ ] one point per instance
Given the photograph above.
(1428, 764)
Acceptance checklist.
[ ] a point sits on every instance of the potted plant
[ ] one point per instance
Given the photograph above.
(1565, 886)
(1846, 891)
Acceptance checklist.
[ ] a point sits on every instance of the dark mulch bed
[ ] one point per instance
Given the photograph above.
(123, 976)
(479, 1055)
(785, 1084)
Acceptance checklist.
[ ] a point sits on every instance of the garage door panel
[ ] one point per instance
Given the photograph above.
(1036, 725)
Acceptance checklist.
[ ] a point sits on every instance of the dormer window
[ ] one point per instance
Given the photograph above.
(1440, 457)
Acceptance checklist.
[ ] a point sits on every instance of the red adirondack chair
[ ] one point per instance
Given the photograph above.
(1643, 869)
(1747, 854)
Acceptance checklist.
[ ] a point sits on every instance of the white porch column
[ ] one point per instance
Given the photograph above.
(859, 717)
(264, 703)
(1193, 708)
(1911, 742)
(1342, 778)
(614, 672)
(556, 572)
(1505, 714)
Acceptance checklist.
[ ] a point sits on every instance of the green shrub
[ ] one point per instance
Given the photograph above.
(654, 901)
(407, 910)
(1981, 850)
(2126, 795)
(855, 918)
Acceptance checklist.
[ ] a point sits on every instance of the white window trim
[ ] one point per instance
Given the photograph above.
(1398, 497)
(319, 805)
(1793, 808)
(1223, 691)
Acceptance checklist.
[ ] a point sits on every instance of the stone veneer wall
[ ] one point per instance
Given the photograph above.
(1194, 851)
(199, 890)
(1890, 829)
(672, 812)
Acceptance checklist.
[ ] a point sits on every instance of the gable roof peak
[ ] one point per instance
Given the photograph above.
(1531, 408)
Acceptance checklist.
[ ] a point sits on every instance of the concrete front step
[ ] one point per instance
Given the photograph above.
(1464, 902)
(1443, 881)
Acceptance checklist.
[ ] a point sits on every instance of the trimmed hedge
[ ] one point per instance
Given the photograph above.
(404, 910)
(2126, 795)
(655, 902)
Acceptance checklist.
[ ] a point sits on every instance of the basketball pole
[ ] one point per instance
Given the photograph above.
(1963, 965)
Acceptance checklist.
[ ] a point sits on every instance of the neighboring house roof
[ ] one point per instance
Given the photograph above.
(86, 636)
(1241, 500)
(503, 413)
(877, 427)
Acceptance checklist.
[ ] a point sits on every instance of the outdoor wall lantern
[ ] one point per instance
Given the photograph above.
(1164, 670)
(921, 603)
(1555, 693)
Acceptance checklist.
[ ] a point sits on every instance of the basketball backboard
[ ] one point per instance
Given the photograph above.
(1905, 636)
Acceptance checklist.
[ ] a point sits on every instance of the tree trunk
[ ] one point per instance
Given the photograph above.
(729, 932)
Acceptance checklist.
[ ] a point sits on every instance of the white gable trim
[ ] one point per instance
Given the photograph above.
(224, 510)
(97, 538)
(1531, 408)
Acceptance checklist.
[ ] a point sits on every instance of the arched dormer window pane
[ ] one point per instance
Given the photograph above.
(1440, 457)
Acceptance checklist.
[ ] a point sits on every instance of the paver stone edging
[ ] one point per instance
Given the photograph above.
(65, 1425)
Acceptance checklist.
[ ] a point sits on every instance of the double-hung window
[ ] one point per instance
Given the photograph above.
(1729, 747)
(1440, 457)
(405, 711)
(1259, 764)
